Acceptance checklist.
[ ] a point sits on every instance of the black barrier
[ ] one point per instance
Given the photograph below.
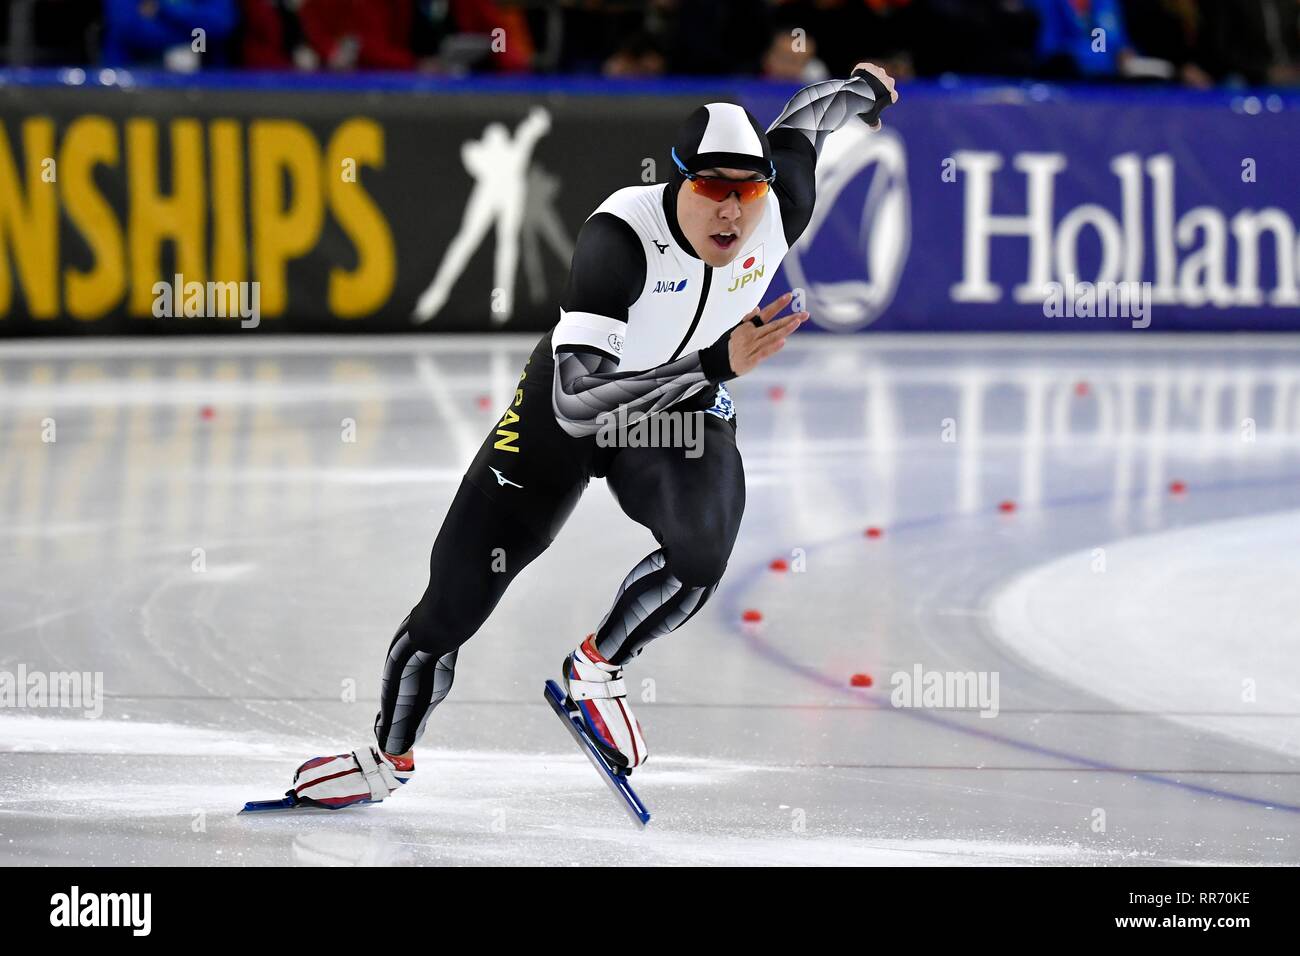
(211, 210)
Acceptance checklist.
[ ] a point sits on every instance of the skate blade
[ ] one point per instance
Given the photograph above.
(616, 781)
(287, 804)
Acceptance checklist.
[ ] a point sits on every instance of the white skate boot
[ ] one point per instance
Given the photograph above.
(597, 688)
(367, 775)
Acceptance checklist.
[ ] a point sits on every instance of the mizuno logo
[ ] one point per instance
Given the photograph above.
(502, 480)
(661, 246)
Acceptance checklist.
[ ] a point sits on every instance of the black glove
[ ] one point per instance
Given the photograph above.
(881, 92)
(715, 359)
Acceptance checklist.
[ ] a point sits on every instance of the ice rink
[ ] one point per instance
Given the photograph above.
(227, 531)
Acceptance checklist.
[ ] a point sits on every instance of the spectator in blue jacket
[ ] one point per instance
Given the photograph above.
(161, 32)
(1068, 44)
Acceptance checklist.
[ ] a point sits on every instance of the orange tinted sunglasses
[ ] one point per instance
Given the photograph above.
(719, 188)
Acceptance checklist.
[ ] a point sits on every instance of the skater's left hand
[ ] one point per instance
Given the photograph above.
(759, 337)
(884, 78)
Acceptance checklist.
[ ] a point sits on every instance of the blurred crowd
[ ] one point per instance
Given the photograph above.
(1198, 43)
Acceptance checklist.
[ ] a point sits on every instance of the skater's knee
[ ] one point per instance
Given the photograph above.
(698, 545)
(437, 626)
(697, 560)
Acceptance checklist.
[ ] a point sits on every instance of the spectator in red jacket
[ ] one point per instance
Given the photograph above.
(359, 34)
(263, 45)
(378, 35)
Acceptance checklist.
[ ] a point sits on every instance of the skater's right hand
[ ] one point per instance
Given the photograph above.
(751, 342)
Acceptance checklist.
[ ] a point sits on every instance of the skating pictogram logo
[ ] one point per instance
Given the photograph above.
(512, 200)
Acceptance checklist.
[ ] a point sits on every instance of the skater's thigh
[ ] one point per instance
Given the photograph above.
(678, 496)
(479, 550)
(481, 539)
(516, 495)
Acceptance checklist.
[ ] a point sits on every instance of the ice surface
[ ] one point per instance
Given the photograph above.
(235, 579)
(1216, 602)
